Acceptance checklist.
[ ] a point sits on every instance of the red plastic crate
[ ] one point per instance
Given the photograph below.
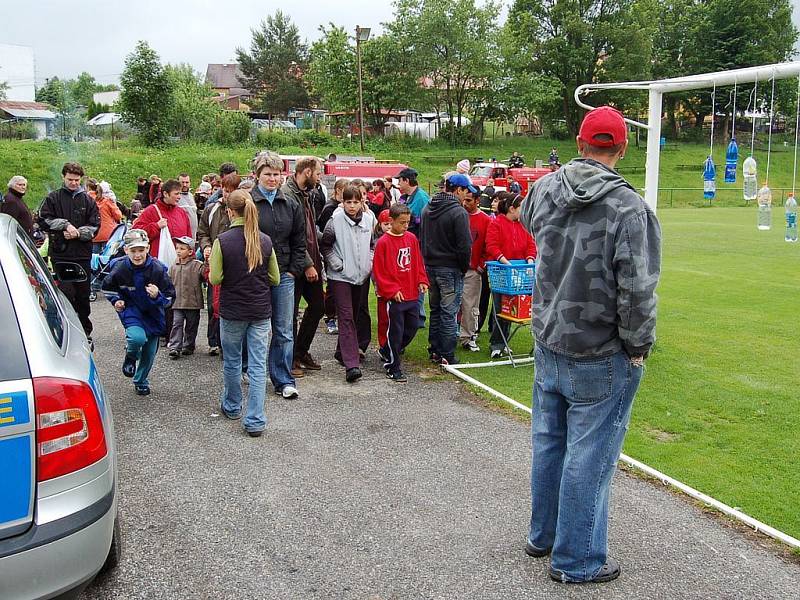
(516, 307)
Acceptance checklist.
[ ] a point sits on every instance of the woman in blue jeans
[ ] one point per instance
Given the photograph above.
(244, 265)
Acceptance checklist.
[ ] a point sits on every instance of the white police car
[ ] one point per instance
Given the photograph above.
(58, 484)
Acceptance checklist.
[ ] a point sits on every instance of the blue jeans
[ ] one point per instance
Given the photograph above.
(581, 409)
(256, 333)
(446, 288)
(281, 348)
(144, 347)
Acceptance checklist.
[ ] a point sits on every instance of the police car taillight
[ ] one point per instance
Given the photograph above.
(69, 429)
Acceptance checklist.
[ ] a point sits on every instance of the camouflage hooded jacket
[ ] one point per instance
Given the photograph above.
(598, 265)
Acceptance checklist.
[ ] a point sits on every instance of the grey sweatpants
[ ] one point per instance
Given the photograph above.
(184, 328)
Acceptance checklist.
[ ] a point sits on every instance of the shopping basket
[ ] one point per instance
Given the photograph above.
(515, 279)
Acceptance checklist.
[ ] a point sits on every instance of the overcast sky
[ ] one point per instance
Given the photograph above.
(95, 36)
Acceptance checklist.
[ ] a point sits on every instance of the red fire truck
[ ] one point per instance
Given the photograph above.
(481, 172)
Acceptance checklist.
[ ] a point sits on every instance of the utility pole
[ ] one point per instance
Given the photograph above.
(362, 35)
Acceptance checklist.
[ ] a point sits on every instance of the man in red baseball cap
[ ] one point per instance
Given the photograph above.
(593, 315)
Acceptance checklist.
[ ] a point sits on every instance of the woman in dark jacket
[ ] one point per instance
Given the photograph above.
(14, 205)
(245, 267)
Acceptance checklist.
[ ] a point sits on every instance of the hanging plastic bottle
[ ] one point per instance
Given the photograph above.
(750, 172)
(731, 161)
(791, 219)
(709, 179)
(765, 208)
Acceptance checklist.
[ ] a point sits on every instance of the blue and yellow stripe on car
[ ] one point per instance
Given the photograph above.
(14, 409)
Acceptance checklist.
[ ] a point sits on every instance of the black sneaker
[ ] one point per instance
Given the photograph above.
(535, 552)
(255, 432)
(142, 390)
(174, 354)
(608, 572)
(397, 377)
(129, 365)
(187, 351)
(353, 375)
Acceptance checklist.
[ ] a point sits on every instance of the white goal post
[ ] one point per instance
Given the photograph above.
(657, 89)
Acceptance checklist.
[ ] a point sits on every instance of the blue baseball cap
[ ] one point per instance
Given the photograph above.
(461, 180)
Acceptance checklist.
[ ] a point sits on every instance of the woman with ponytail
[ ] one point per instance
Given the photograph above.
(244, 265)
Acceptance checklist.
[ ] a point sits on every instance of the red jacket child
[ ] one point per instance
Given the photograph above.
(177, 221)
(509, 239)
(397, 266)
(479, 226)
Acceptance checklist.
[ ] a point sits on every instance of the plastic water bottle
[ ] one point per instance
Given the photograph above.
(765, 208)
(709, 179)
(791, 219)
(731, 161)
(749, 172)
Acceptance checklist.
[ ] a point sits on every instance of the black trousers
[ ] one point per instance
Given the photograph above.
(403, 325)
(315, 309)
(363, 318)
(78, 294)
(483, 306)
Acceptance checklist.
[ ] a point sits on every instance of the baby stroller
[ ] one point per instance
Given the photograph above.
(101, 263)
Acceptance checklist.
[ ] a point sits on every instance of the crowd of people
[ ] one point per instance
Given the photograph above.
(249, 249)
(333, 250)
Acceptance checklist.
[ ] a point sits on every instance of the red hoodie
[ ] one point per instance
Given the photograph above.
(478, 227)
(177, 221)
(509, 239)
(397, 266)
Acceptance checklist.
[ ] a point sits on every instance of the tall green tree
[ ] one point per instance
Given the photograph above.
(704, 36)
(82, 89)
(331, 75)
(273, 69)
(146, 101)
(389, 74)
(194, 112)
(55, 92)
(453, 46)
(582, 41)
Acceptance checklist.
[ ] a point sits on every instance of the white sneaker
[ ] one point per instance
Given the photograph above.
(290, 392)
(496, 354)
(471, 346)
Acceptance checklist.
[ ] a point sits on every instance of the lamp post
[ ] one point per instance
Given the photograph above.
(362, 35)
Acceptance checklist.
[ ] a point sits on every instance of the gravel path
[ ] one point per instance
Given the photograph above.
(376, 491)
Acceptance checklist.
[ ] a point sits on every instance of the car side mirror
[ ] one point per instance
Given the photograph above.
(67, 272)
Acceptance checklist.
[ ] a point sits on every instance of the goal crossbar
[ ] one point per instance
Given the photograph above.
(657, 88)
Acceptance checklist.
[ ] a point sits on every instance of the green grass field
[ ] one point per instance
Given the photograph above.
(681, 165)
(718, 407)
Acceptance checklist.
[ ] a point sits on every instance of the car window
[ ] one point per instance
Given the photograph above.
(42, 286)
(13, 361)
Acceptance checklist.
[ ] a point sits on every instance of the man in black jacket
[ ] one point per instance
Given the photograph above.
(281, 218)
(71, 219)
(303, 188)
(447, 248)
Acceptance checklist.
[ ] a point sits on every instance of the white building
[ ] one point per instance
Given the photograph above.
(18, 72)
(106, 98)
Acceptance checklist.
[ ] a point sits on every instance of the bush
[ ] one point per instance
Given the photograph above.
(273, 139)
(232, 128)
(311, 137)
(19, 130)
(559, 131)
(463, 135)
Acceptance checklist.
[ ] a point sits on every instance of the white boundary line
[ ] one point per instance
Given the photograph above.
(690, 491)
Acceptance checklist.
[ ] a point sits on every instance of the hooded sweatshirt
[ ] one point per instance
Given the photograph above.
(599, 262)
(444, 233)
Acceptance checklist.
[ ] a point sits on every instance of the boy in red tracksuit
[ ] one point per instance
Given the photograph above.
(400, 277)
(473, 278)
